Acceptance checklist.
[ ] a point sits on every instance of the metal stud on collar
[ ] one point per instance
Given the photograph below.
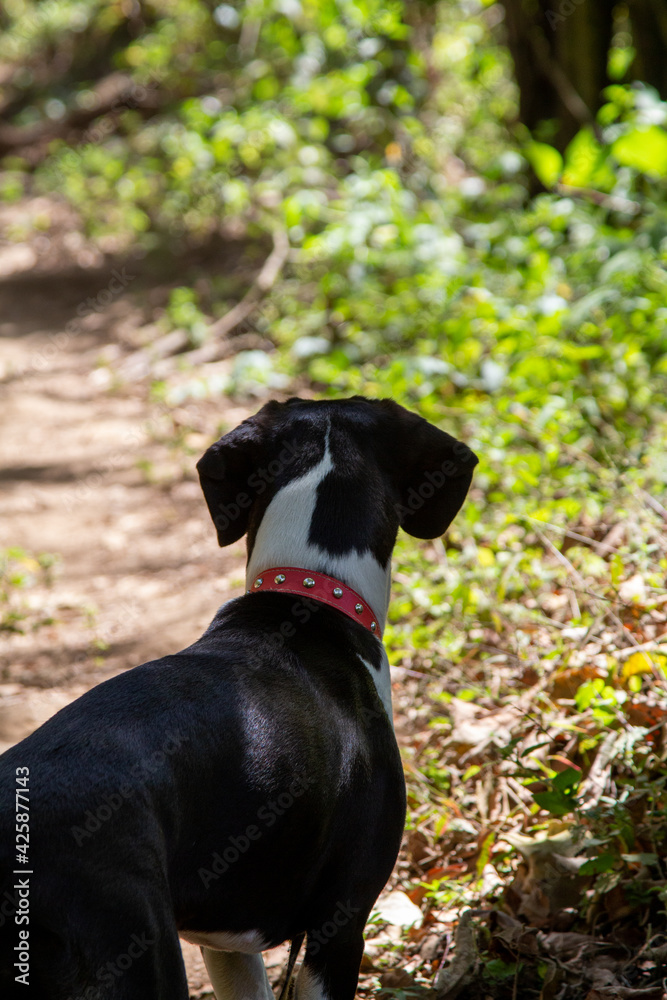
(326, 589)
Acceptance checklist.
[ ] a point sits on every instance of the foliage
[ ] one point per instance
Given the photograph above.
(382, 139)
(19, 571)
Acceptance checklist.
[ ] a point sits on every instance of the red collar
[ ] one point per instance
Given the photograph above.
(319, 587)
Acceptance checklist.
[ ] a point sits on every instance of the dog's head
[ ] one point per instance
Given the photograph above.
(380, 466)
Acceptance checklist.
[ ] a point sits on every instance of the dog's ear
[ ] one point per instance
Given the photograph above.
(436, 472)
(224, 471)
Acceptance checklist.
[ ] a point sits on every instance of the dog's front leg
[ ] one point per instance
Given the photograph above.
(237, 977)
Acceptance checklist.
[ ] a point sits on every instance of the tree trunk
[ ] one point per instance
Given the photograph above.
(649, 34)
(560, 48)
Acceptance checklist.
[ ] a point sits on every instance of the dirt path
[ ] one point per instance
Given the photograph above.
(95, 476)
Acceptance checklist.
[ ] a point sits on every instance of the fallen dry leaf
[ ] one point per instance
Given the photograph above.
(398, 909)
(396, 977)
(566, 683)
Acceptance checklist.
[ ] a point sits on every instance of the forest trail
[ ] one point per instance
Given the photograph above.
(106, 480)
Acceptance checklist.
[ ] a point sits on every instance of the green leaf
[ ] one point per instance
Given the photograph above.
(545, 161)
(555, 802)
(566, 780)
(597, 866)
(644, 149)
(586, 163)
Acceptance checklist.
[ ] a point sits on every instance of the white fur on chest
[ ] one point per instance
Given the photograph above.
(382, 681)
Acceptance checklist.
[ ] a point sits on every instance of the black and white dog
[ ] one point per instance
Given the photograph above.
(248, 790)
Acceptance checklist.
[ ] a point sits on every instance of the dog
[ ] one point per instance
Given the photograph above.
(248, 790)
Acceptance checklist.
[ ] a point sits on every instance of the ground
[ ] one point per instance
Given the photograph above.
(96, 477)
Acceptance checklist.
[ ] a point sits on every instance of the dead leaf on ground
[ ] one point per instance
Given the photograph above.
(397, 977)
(456, 978)
(546, 882)
(566, 683)
(474, 727)
(418, 847)
(398, 910)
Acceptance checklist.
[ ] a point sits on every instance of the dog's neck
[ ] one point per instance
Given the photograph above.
(283, 540)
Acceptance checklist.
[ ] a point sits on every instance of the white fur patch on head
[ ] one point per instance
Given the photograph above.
(286, 523)
(282, 540)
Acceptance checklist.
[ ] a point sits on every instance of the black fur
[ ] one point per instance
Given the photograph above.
(247, 714)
